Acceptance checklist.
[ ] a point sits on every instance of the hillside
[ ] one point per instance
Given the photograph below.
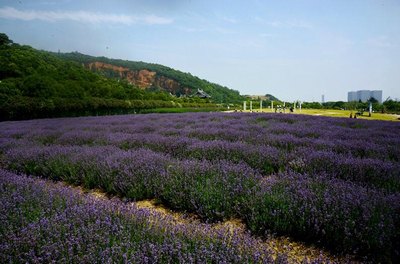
(267, 97)
(35, 84)
(154, 77)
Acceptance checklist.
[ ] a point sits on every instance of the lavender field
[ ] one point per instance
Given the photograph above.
(333, 182)
(44, 222)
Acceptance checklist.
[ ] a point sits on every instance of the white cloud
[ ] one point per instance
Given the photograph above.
(381, 42)
(223, 30)
(298, 24)
(290, 24)
(152, 20)
(192, 29)
(259, 19)
(229, 20)
(80, 16)
(265, 35)
(295, 23)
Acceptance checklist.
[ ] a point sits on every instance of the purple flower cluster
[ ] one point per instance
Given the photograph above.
(311, 207)
(331, 180)
(43, 222)
(195, 185)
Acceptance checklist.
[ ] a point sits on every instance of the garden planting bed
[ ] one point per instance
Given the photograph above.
(328, 181)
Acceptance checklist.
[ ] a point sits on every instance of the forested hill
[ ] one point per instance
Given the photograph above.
(35, 84)
(154, 77)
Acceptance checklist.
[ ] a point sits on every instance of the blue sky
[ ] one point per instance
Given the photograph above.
(295, 50)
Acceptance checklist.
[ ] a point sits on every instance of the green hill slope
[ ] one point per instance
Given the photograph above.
(37, 84)
(155, 77)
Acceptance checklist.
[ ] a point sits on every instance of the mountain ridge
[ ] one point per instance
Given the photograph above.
(37, 84)
(162, 77)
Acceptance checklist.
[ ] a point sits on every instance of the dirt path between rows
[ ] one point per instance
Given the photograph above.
(296, 251)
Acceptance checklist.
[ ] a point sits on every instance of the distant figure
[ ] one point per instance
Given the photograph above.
(351, 115)
(355, 115)
(291, 109)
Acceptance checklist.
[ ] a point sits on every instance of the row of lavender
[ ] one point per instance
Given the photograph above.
(359, 138)
(344, 215)
(43, 222)
(366, 153)
(279, 172)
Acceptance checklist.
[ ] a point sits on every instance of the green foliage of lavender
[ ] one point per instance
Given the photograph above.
(42, 222)
(330, 181)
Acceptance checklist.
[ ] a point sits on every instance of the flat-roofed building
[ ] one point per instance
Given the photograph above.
(364, 95)
(377, 94)
(351, 96)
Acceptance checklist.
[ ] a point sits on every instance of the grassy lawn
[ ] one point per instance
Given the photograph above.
(339, 113)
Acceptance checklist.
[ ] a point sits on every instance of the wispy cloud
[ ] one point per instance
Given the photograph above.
(226, 19)
(192, 29)
(219, 30)
(295, 23)
(223, 30)
(265, 35)
(381, 42)
(290, 24)
(153, 19)
(81, 16)
(229, 19)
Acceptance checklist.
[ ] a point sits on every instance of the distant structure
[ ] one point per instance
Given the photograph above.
(323, 98)
(200, 93)
(267, 97)
(364, 95)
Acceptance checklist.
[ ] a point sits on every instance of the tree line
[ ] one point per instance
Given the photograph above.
(37, 84)
(219, 94)
(389, 106)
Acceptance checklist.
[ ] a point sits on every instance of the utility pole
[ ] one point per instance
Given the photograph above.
(370, 109)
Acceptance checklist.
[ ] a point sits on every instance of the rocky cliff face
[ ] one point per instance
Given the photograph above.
(144, 79)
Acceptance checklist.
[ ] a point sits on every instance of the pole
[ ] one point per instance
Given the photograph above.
(244, 105)
(370, 109)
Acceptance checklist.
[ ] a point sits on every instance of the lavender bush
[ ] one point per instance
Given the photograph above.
(345, 214)
(326, 180)
(42, 222)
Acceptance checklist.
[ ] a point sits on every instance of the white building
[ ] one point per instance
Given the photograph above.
(377, 94)
(352, 96)
(364, 95)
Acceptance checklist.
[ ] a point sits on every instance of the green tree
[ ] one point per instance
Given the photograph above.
(372, 100)
(39, 86)
(4, 40)
(392, 106)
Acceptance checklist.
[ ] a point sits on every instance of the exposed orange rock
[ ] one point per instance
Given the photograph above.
(144, 79)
